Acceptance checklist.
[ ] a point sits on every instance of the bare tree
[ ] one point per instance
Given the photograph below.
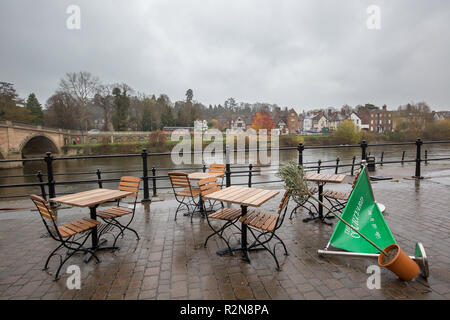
(82, 86)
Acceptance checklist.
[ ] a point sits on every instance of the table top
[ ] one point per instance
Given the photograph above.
(91, 198)
(244, 196)
(325, 177)
(204, 175)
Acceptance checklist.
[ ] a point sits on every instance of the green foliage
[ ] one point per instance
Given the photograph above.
(294, 181)
(438, 130)
(35, 109)
(347, 133)
(121, 106)
(157, 141)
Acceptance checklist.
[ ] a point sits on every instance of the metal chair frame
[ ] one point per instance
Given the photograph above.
(303, 205)
(258, 233)
(181, 180)
(127, 183)
(207, 186)
(71, 243)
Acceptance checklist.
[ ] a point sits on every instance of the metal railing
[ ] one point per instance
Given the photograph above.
(49, 178)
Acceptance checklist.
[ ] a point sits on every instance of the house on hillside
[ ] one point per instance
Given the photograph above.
(441, 115)
(200, 125)
(292, 121)
(237, 125)
(380, 120)
(282, 128)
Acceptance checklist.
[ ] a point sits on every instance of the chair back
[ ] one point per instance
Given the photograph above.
(216, 168)
(208, 185)
(130, 184)
(43, 207)
(282, 209)
(356, 178)
(179, 179)
(47, 215)
(284, 201)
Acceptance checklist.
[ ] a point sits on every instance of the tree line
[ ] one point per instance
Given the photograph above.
(82, 102)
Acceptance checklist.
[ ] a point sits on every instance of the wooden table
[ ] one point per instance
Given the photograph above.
(204, 175)
(196, 176)
(92, 199)
(322, 179)
(245, 197)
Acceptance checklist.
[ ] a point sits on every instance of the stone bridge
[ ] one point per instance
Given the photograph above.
(19, 141)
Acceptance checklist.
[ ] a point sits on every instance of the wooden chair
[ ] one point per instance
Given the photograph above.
(184, 192)
(111, 215)
(70, 236)
(338, 200)
(263, 227)
(230, 215)
(217, 168)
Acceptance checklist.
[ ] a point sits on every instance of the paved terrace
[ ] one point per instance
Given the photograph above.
(169, 262)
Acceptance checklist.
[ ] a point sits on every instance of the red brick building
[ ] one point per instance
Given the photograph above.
(292, 121)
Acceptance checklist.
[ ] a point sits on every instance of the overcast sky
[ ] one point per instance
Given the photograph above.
(301, 54)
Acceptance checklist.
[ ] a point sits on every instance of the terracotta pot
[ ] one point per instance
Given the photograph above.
(402, 265)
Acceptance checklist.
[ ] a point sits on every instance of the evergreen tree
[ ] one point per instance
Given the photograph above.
(121, 105)
(35, 109)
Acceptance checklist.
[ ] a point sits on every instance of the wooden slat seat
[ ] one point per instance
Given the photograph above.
(336, 195)
(186, 192)
(114, 212)
(226, 214)
(77, 226)
(260, 220)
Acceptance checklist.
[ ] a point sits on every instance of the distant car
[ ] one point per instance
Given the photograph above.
(94, 131)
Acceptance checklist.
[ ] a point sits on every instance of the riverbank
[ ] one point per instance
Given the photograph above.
(167, 145)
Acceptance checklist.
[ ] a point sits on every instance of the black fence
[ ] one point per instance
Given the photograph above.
(47, 182)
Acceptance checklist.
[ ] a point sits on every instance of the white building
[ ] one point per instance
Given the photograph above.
(200, 125)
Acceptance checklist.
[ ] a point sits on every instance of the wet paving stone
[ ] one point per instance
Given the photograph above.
(170, 262)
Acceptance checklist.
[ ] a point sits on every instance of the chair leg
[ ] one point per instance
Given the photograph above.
(50, 256)
(266, 247)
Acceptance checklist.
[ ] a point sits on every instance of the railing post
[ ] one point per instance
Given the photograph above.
(250, 167)
(227, 168)
(50, 179)
(300, 149)
(418, 160)
(426, 157)
(403, 157)
(318, 165)
(204, 168)
(154, 181)
(363, 145)
(337, 165)
(382, 157)
(353, 164)
(41, 181)
(99, 179)
(145, 175)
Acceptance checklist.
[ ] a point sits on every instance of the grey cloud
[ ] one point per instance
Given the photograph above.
(301, 54)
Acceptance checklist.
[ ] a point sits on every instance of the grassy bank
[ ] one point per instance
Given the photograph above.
(167, 145)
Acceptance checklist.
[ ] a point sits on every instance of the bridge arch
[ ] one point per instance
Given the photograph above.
(38, 144)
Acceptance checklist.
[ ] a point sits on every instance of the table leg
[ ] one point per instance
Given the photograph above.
(321, 200)
(244, 236)
(96, 242)
(243, 245)
(320, 208)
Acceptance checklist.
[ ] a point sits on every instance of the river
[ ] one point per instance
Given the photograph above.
(164, 164)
